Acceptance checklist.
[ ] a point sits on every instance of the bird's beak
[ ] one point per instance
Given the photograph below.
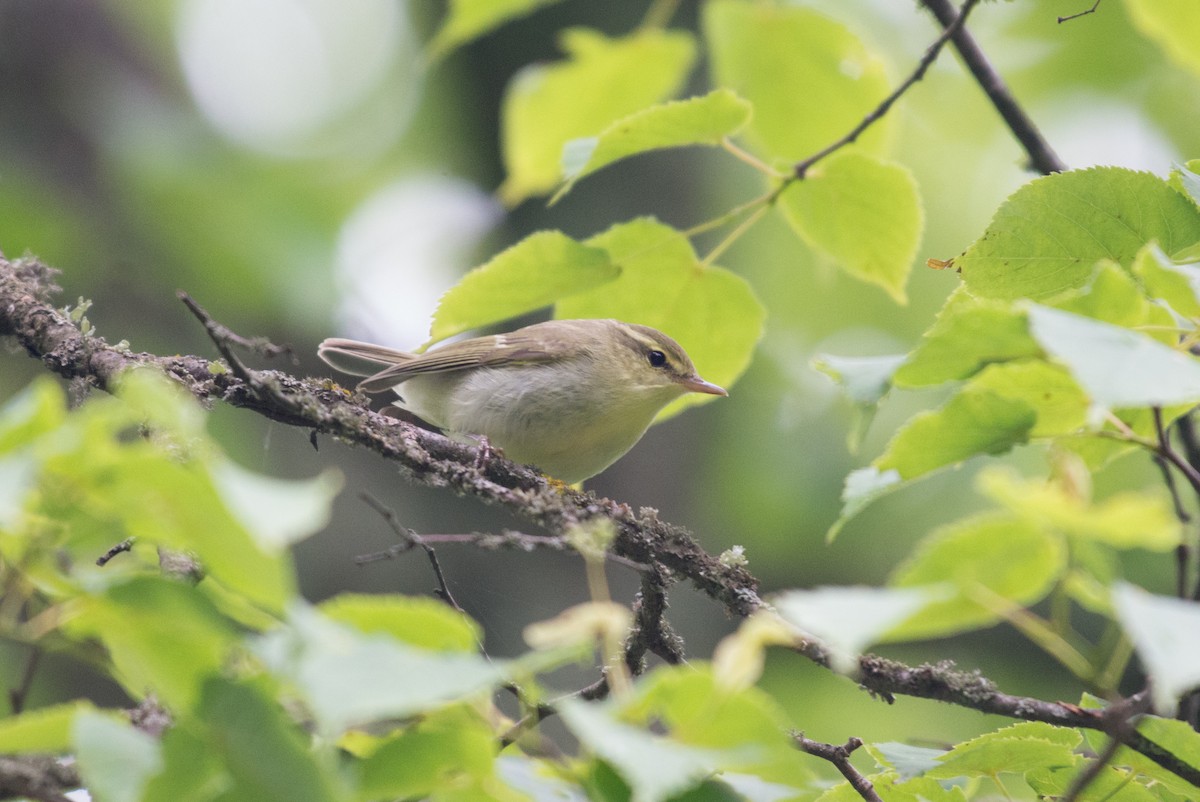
(695, 384)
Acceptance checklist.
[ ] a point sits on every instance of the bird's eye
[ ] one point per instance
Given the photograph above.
(656, 359)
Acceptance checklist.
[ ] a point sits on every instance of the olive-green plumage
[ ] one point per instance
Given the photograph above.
(569, 396)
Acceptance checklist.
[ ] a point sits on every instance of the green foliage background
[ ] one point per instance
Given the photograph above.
(111, 173)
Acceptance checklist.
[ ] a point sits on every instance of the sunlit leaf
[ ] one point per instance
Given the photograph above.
(468, 19)
(1115, 366)
(1172, 25)
(863, 213)
(974, 421)
(1060, 405)
(46, 729)
(862, 487)
(1019, 748)
(276, 512)
(427, 623)
(35, 410)
(1011, 558)
(809, 78)
(696, 121)
(541, 269)
(1178, 285)
(1046, 238)
(601, 81)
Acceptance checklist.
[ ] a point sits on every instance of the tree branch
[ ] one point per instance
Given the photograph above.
(839, 756)
(1041, 156)
(436, 461)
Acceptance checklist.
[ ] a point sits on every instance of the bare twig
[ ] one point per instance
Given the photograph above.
(18, 694)
(1182, 552)
(120, 548)
(1085, 778)
(1083, 13)
(931, 54)
(839, 756)
(1041, 156)
(410, 538)
(221, 334)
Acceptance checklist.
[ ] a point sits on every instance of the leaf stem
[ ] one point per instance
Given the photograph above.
(733, 236)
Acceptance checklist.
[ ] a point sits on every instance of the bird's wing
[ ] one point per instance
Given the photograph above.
(500, 349)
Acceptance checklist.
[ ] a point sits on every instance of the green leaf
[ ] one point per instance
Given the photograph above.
(192, 769)
(696, 121)
(39, 408)
(1046, 238)
(601, 81)
(1173, 736)
(1009, 556)
(422, 622)
(974, 421)
(710, 311)
(1112, 296)
(809, 78)
(655, 767)
(863, 213)
(1172, 25)
(264, 753)
(450, 749)
(543, 268)
(969, 334)
(862, 487)
(1154, 624)
(115, 760)
(1061, 406)
(1019, 748)
(469, 19)
(909, 761)
(47, 729)
(1132, 519)
(276, 512)
(865, 380)
(1186, 179)
(348, 677)
(1115, 366)
(18, 475)
(849, 619)
(133, 621)
(1178, 285)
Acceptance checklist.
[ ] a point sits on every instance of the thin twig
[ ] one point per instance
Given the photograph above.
(1086, 777)
(124, 546)
(839, 756)
(409, 536)
(18, 695)
(1182, 553)
(222, 337)
(1091, 10)
(801, 169)
(1041, 156)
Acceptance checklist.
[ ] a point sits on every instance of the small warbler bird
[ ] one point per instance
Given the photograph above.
(569, 396)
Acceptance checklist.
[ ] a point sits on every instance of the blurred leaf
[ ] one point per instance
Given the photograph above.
(47, 729)
(264, 753)
(1153, 623)
(600, 81)
(427, 623)
(1186, 178)
(1049, 234)
(974, 421)
(18, 474)
(543, 268)
(865, 380)
(452, 749)
(538, 782)
(909, 761)
(1178, 285)
(710, 311)
(1048, 390)
(808, 77)
(1115, 366)
(1112, 296)
(1019, 748)
(137, 620)
(969, 334)
(849, 619)
(468, 19)
(1131, 519)
(862, 487)
(39, 408)
(192, 769)
(1173, 26)
(863, 213)
(696, 121)
(655, 767)
(348, 677)
(1009, 556)
(115, 760)
(1175, 737)
(276, 512)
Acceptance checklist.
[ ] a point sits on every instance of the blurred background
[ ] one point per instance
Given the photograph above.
(303, 171)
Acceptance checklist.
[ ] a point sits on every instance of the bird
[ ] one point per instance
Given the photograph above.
(569, 397)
